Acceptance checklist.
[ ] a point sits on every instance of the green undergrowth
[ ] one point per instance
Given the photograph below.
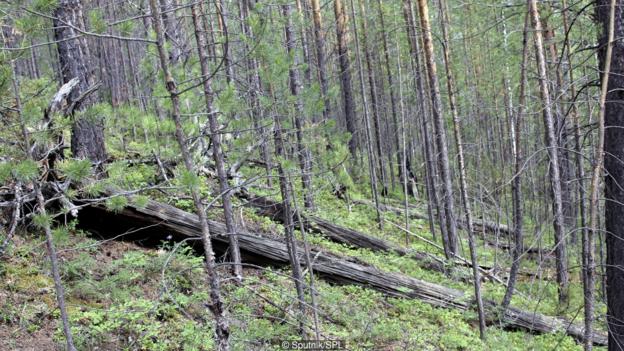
(124, 297)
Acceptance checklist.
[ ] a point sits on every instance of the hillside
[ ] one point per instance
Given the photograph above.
(311, 174)
(124, 295)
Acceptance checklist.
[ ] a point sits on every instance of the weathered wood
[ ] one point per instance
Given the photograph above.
(272, 209)
(160, 221)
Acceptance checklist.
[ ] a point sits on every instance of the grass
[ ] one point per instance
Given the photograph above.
(125, 297)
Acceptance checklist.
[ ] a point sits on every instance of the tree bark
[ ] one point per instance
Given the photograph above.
(41, 210)
(516, 183)
(374, 95)
(553, 154)
(432, 198)
(255, 91)
(445, 22)
(87, 140)
(287, 200)
(217, 152)
(342, 39)
(369, 138)
(440, 137)
(222, 329)
(319, 40)
(303, 153)
(610, 136)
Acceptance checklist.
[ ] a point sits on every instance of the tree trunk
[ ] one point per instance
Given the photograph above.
(611, 134)
(87, 140)
(287, 200)
(516, 183)
(374, 94)
(320, 56)
(303, 153)
(41, 210)
(432, 198)
(255, 91)
(217, 152)
(369, 138)
(342, 38)
(440, 137)
(553, 154)
(222, 329)
(391, 84)
(445, 22)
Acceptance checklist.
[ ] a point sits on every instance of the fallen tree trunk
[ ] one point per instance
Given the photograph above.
(272, 209)
(155, 222)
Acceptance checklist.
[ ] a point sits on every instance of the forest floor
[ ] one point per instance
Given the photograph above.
(124, 296)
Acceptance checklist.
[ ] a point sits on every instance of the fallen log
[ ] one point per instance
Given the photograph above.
(273, 209)
(156, 221)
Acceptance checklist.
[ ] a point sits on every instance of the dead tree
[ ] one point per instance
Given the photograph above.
(367, 126)
(463, 183)
(553, 154)
(516, 183)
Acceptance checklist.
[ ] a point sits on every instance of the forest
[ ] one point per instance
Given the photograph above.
(311, 175)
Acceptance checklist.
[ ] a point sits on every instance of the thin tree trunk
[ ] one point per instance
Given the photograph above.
(255, 92)
(445, 21)
(342, 38)
(551, 144)
(393, 107)
(516, 183)
(369, 138)
(559, 94)
(54, 263)
(222, 330)
(436, 108)
(288, 212)
(372, 83)
(222, 16)
(403, 145)
(320, 56)
(305, 47)
(303, 153)
(609, 143)
(432, 198)
(309, 265)
(217, 151)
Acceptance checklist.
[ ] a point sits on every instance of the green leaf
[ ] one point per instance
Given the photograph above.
(188, 179)
(140, 201)
(75, 170)
(117, 203)
(5, 171)
(26, 170)
(97, 21)
(42, 221)
(45, 5)
(94, 188)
